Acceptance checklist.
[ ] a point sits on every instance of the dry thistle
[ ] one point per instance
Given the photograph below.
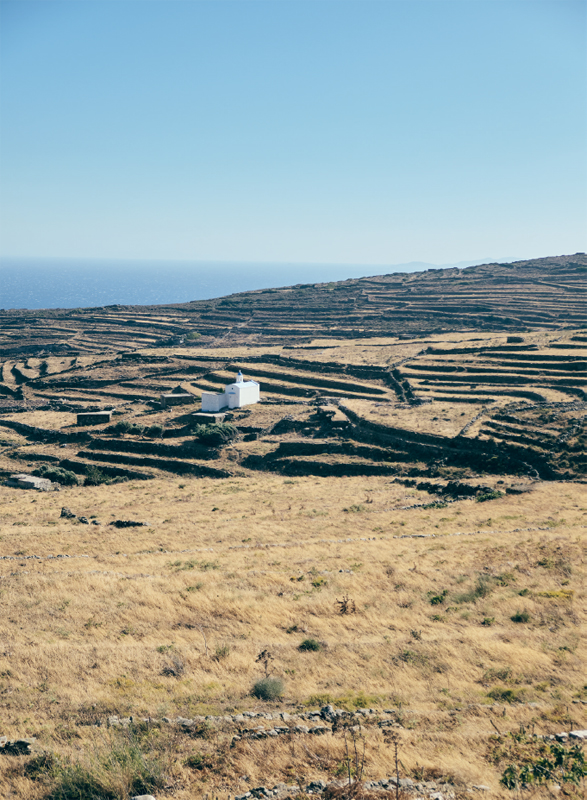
(346, 605)
(264, 658)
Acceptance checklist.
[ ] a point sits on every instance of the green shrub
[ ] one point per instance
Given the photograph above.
(95, 477)
(268, 689)
(482, 588)
(310, 645)
(502, 695)
(124, 426)
(75, 781)
(215, 434)
(501, 674)
(200, 761)
(544, 764)
(123, 765)
(57, 474)
(154, 431)
(493, 495)
(520, 616)
(437, 599)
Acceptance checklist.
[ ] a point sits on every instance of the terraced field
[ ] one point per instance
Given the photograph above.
(346, 401)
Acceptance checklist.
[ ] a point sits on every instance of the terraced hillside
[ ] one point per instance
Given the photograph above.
(344, 400)
(395, 530)
(544, 294)
(447, 408)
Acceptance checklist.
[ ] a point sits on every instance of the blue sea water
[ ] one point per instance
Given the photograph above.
(85, 283)
(49, 283)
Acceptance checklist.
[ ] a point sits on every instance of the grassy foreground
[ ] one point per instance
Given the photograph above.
(464, 635)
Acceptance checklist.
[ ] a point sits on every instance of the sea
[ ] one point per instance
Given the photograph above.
(27, 283)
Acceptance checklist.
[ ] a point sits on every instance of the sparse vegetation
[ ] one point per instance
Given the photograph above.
(214, 434)
(483, 498)
(520, 616)
(310, 645)
(57, 474)
(268, 689)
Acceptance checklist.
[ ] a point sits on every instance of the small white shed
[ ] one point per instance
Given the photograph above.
(235, 395)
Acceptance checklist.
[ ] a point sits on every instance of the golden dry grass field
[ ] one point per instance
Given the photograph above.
(228, 569)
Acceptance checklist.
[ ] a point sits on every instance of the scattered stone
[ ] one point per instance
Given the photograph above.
(480, 787)
(65, 512)
(17, 747)
(83, 520)
(578, 734)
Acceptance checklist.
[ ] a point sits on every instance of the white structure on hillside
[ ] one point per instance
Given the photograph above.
(235, 395)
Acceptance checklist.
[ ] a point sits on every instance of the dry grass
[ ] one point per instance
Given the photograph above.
(254, 563)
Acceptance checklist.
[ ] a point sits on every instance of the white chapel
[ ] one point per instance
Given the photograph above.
(235, 395)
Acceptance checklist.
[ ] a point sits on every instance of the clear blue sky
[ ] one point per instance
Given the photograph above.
(368, 131)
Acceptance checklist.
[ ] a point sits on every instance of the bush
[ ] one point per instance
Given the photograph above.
(545, 764)
(95, 477)
(482, 498)
(221, 652)
(124, 426)
(437, 599)
(63, 476)
(192, 336)
(200, 761)
(268, 689)
(154, 431)
(215, 434)
(500, 694)
(520, 616)
(309, 645)
(123, 765)
(482, 588)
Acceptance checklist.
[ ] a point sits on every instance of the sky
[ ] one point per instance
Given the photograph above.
(317, 131)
